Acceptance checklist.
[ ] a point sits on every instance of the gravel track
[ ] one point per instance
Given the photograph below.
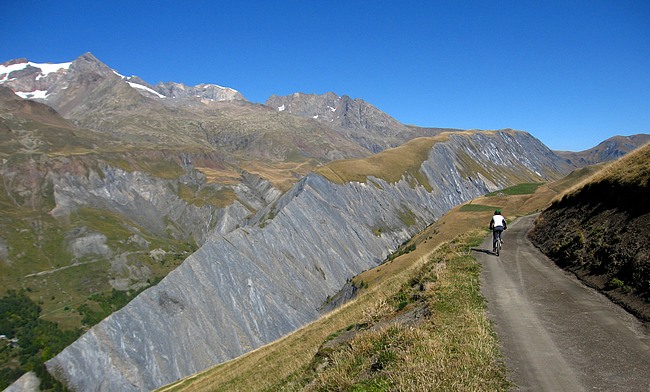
(556, 333)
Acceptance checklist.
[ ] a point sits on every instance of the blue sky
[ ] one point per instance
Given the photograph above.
(572, 73)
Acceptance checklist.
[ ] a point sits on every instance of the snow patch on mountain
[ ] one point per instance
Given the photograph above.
(216, 86)
(37, 94)
(145, 88)
(46, 68)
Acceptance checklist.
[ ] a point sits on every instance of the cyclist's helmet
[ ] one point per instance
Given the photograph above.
(497, 212)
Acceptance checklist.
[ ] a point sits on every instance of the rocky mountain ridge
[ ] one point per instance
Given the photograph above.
(353, 118)
(269, 277)
(44, 81)
(211, 92)
(92, 95)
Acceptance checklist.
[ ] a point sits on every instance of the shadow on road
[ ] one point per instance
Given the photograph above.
(483, 251)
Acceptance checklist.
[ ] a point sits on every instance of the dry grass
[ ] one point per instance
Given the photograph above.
(225, 176)
(389, 165)
(281, 174)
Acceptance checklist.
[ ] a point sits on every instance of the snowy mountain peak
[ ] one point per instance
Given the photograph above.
(46, 81)
(31, 80)
(17, 68)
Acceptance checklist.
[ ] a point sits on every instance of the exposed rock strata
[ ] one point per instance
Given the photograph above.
(255, 284)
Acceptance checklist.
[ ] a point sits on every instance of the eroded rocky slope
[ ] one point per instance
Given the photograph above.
(267, 278)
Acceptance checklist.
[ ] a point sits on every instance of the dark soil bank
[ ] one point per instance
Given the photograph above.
(602, 234)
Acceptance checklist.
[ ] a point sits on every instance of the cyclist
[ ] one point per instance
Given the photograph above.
(497, 225)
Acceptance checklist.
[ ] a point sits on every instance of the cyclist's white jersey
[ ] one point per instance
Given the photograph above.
(498, 220)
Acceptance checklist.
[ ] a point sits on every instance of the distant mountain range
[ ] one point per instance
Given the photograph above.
(92, 95)
(206, 116)
(608, 150)
(110, 184)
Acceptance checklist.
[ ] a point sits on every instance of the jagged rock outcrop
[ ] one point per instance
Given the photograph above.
(154, 203)
(263, 280)
(150, 202)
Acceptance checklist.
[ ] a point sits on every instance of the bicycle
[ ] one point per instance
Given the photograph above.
(497, 246)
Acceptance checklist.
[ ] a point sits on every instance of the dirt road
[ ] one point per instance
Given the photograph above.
(556, 333)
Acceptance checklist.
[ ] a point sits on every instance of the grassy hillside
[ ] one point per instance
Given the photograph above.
(418, 320)
(389, 165)
(599, 229)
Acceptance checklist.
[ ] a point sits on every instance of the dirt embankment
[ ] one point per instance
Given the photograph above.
(602, 234)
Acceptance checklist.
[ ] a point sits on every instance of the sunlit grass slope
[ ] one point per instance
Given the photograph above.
(389, 165)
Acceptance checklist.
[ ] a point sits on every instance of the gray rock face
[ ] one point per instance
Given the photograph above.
(261, 281)
(146, 200)
(91, 243)
(4, 251)
(153, 202)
